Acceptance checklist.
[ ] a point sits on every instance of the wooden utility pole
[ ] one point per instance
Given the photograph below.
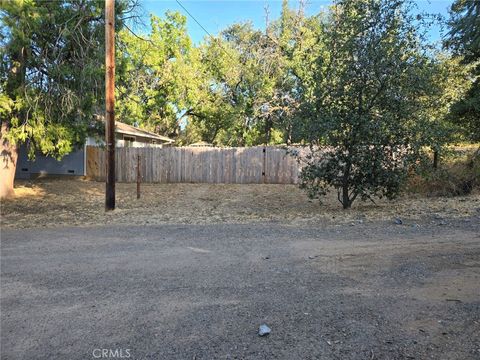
(110, 103)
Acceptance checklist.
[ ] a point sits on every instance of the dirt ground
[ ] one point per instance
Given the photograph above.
(370, 291)
(190, 272)
(51, 203)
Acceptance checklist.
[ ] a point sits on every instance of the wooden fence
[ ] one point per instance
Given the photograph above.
(252, 165)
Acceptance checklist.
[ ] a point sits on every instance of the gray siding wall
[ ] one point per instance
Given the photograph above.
(71, 164)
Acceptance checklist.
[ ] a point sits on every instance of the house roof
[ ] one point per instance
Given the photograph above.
(123, 128)
(201, 144)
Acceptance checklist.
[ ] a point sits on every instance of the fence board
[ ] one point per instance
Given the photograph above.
(198, 165)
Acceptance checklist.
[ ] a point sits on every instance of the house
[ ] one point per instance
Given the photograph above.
(132, 136)
(201, 144)
(75, 162)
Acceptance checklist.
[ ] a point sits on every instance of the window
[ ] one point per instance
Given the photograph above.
(129, 140)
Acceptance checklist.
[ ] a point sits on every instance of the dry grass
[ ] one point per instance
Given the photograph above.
(459, 174)
(49, 202)
(29, 192)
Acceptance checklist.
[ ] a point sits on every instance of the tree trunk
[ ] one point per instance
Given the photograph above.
(289, 134)
(8, 157)
(435, 159)
(346, 202)
(8, 151)
(345, 199)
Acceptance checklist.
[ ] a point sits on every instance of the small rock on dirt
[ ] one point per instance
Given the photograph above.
(264, 330)
(398, 221)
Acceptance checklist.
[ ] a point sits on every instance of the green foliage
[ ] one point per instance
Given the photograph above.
(368, 101)
(464, 35)
(452, 81)
(240, 88)
(243, 72)
(464, 40)
(51, 74)
(159, 74)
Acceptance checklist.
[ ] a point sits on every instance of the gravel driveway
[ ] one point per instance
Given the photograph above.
(372, 290)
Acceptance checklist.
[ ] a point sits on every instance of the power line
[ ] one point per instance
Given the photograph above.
(198, 23)
(193, 17)
(203, 28)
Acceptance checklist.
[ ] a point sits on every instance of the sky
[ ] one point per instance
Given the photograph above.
(216, 15)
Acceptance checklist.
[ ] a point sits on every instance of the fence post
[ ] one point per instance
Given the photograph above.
(264, 164)
(139, 176)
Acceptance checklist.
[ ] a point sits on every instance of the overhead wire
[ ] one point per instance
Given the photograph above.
(203, 28)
